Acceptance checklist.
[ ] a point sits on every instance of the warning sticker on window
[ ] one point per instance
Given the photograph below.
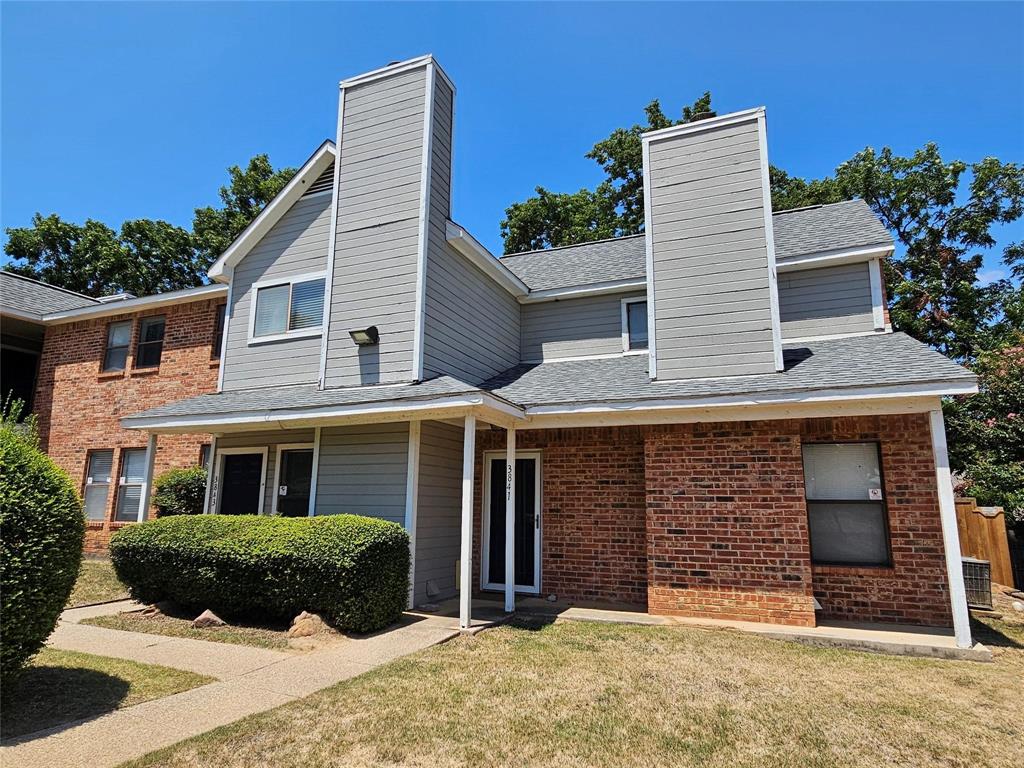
(875, 494)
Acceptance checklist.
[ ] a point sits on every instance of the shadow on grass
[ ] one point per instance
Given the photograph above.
(43, 698)
(996, 634)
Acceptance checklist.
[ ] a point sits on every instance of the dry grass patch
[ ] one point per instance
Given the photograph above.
(579, 694)
(274, 636)
(60, 687)
(96, 583)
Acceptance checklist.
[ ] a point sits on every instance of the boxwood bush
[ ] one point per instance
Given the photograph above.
(353, 571)
(41, 533)
(180, 492)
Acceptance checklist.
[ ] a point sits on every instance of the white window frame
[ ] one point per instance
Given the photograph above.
(303, 333)
(89, 482)
(140, 513)
(626, 350)
(218, 473)
(485, 538)
(281, 448)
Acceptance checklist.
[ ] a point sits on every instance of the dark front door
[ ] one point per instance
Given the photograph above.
(240, 484)
(526, 525)
(294, 482)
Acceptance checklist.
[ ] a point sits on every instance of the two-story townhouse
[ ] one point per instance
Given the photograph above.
(96, 360)
(711, 419)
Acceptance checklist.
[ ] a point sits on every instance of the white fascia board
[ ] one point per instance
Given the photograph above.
(583, 291)
(652, 325)
(396, 68)
(835, 257)
(704, 125)
(128, 306)
(928, 389)
(30, 317)
(270, 215)
(468, 246)
(287, 419)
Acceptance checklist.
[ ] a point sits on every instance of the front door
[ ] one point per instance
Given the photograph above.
(241, 482)
(294, 481)
(527, 524)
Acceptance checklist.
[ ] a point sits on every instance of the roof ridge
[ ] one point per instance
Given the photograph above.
(818, 205)
(49, 285)
(573, 245)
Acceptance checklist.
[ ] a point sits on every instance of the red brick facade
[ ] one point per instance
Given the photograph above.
(710, 520)
(79, 406)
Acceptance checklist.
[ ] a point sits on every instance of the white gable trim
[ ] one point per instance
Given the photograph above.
(269, 216)
(468, 246)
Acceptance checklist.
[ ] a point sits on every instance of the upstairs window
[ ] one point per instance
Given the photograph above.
(119, 339)
(634, 324)
(845, 505)
(294, 307)
(151, 342)
(218, 330)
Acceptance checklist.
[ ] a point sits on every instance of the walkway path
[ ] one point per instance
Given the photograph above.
(249, 680)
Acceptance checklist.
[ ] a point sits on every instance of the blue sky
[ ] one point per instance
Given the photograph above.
(116, 111)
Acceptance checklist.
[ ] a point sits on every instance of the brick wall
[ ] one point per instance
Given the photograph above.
(593, 518)
(79, 406)
(727, 523)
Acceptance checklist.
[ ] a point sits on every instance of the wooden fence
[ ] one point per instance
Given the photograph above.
(983, 535)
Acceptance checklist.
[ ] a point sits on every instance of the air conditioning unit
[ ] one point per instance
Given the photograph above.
(978, 582)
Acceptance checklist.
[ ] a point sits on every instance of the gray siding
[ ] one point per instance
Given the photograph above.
(296, 245)
(573, 327)
(376, 247)
(363, 471)
(820, 302)
(471, 327)
(438, 513)
(712, 300)
(269, 440)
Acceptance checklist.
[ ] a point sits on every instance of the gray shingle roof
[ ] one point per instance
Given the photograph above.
(860, 361)
(281, 399)
(30, 297)
(803, 231)
(799, 232)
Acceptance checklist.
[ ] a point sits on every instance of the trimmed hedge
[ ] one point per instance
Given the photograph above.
(180, 492)
(42, 529)
(353, 571)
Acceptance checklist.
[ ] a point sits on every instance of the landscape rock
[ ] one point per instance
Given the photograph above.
(1018, 606)
(552, 598)
(207, 619)
(307, 624)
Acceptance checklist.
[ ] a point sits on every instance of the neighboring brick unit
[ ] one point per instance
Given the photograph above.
(710, 520)
(79, 406)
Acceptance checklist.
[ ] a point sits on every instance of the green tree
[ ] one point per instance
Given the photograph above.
(145, 256)
(614, 209)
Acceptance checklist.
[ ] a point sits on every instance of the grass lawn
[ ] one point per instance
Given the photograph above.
(261, 636)
(64, 686)
(581, 694)
(96, 584)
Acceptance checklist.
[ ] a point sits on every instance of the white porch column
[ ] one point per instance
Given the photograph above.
(950, 537)
(510, 520)
(412, 485)
(466, 554)
(147, 482)
(210, 474)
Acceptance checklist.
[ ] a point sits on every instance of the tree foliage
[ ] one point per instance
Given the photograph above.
(144, 256)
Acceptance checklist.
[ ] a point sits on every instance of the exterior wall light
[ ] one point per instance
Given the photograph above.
(366, 337)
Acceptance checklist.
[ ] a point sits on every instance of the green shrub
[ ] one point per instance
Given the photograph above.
(41, 534)
(180, 492)
(353, 571)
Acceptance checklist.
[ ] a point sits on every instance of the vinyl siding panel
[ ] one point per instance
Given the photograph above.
(269, 440)
(712, 300)
(439, 510)
(363, 471)
(296, 245)
(574, 327)
(377, 238)
(821, 302)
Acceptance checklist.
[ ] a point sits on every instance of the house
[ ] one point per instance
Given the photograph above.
(711, 419)
(99, 360)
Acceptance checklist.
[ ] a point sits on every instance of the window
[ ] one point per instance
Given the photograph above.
(845, 509)
(218, 330)
(204, 456)
(97, 484)
(634, 324)
(133, 475)
(292, 307)
(151, 342)
(119, 339)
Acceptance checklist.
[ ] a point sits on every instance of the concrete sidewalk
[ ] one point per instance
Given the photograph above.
(250, 680)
